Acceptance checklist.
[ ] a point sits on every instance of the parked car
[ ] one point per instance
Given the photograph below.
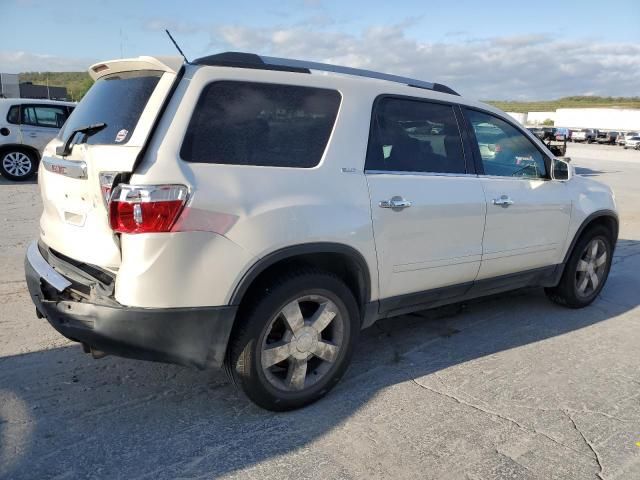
(562, 134)
(632, 142)
(246, 211)
(543, 133)
(26, 126)
(549, 133)
(537, 131)
(584, 135)
(622, 138)
(607, 137)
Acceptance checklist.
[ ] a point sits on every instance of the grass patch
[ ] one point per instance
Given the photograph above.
(566, 102)
(77, 83)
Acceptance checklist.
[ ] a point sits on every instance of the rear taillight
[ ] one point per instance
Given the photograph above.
(146, 208)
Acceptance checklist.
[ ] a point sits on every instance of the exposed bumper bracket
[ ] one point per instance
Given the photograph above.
(46, 271)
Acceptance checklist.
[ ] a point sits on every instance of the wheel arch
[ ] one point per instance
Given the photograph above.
(20, 146)
(607, 218)
(343, 260)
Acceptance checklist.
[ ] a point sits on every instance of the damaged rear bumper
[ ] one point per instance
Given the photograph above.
(195, 336)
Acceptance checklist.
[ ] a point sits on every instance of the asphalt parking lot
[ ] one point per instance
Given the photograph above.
(509, 387)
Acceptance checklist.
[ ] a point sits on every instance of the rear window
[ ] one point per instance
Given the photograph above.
(117, 100)
(243, 123)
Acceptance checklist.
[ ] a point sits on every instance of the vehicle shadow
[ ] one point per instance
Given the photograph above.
(6, 181)
(589, 172)
(63, 414)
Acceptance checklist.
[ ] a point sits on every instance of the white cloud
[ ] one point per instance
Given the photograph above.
(17, 62)
(534, 66)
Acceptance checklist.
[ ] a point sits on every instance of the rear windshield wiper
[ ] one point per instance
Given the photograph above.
(64, 150)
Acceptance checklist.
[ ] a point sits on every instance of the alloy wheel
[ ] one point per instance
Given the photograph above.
(17, 164)
(302, 343)
(591, 267)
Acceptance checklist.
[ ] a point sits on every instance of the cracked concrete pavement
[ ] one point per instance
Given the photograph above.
(508, 387)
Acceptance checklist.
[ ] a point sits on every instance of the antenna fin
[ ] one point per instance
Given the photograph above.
(177, 47)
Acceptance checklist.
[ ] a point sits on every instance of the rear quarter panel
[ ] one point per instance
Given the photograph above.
(264, 209)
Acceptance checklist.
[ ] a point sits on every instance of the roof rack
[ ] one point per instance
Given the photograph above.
(251, 60)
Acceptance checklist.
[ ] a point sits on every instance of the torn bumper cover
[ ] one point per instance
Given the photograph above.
(73, 302)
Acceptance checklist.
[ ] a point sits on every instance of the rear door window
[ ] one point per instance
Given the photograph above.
(410, 135)
(44, 116)
(117, 100)
(245, 123)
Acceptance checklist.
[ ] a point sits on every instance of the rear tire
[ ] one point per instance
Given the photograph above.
(295, 340)
(18, 164)
(586, 271)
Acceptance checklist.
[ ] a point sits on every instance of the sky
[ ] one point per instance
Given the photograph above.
(489, 49)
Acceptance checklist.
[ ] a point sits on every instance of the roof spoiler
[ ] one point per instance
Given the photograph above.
(164, 64)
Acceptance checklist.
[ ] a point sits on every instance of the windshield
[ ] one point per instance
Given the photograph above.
(117, 100)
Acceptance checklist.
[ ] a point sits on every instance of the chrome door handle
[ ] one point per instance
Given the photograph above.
(504, 201)
(395, 203)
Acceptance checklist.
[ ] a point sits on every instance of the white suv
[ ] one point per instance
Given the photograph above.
(26, 126)
(257, 212)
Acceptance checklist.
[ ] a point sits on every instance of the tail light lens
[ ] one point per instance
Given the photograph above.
(146, 208)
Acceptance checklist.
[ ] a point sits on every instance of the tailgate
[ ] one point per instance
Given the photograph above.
(75, 220)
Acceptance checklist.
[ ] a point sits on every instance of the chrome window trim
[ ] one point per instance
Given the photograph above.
(505, 177)
(437, 174)
(421, 174)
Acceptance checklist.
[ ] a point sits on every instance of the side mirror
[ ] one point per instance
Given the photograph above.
(560, 169)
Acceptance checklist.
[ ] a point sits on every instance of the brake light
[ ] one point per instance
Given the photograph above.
(146, 208)
(100, 68)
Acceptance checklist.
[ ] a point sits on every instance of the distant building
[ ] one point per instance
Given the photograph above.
(615, 119)
(532, 119)
(9, 85)
(521, 118)
(538, 118)
(29, 90)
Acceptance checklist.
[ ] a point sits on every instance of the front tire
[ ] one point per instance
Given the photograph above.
(295, 340)
(18, 164)
(586, 271)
